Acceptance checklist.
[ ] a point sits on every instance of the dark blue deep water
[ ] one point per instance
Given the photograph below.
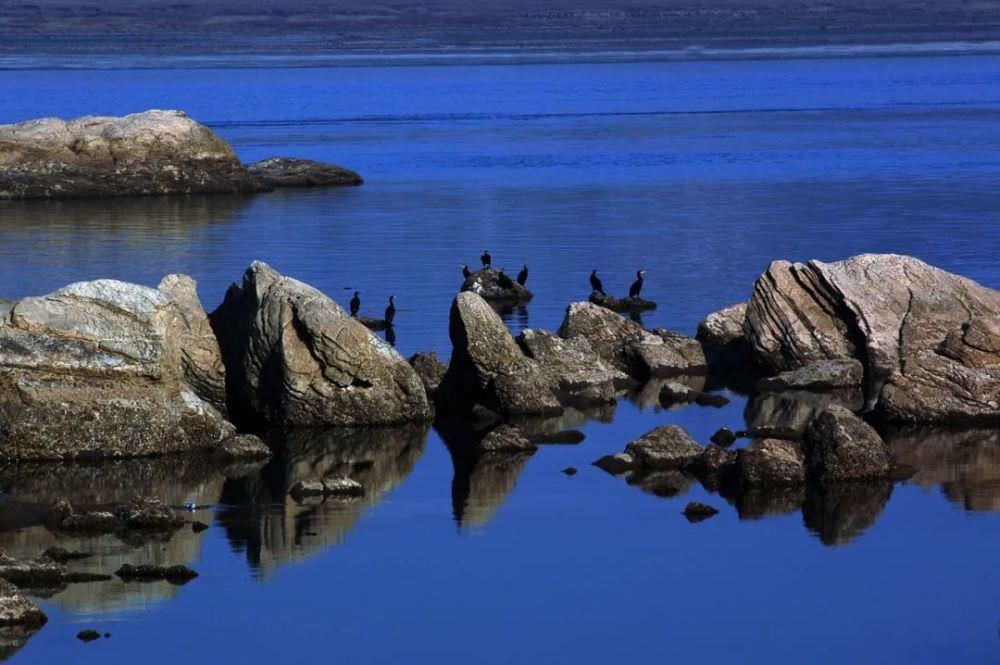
(700, 172)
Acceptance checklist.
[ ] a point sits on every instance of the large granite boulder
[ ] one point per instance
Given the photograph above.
(156, 152)
(488, 367)
(294, 357)
(275, 172)
(839, 445)
(98, 369)
(920, 332)
(577, 373)
(629, 347)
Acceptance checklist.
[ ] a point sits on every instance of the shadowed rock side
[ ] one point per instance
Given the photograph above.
(926, 337)
(964, 463)
(101, 369)
(176, 480)
(277, 172)
(270, 527)
(294, 357)
(488, 368)
(721, 335)
(156, 152)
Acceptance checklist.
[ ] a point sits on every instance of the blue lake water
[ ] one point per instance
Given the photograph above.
(699, 172)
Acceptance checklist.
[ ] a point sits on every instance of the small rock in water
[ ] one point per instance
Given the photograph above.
(698, 512)
(725, 437)
(107, 636)
(570, 471)
(61, 555)
(707, 399)
(198, 527)
(88, 635)
(178, 574)
(616, 464)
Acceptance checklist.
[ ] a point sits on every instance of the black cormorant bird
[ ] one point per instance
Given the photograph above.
(390, 311)
(486, 258)
(504, 281)
(595, 283)
(355, 303)
(522, 277)
(633, 291)
(466, 273)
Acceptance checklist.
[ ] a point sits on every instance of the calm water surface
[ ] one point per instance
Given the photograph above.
(699, 172)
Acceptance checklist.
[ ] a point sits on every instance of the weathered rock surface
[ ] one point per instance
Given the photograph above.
(489, 285)
(578, 374)
(156, 152)
(506, 439)
(242, 447)
(430, 369)
(770, 463)
(820, 375)
(16, 609)
(99, 369)
(666, 447)
(275, 172)
(839, 445)
(629, 347)
(628, 304)
(487, 366)
(294, 357)
(919, 331)
(723, 330)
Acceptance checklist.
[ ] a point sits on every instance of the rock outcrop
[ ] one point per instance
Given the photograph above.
(839, 445)
(105, 369)
(629, 347)
(156, 152)
(275, 172)
(294, 357)
(488, 368)
(493, 286)
(577, 372)
(924, 336)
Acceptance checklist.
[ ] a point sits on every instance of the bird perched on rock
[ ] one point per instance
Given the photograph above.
(504, 281)
(633, 291)
(355, 303)
(486, 258)
(466, 273)
(595, 283)
(390, 311)
(522, 277)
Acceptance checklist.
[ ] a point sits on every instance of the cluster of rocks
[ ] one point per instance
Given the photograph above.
(137, 520)
(155, 152)
(497, 287)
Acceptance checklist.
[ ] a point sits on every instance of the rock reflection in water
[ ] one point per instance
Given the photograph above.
(647, 396)
(482, 480)
(263, 521)
(965, 463)
(839, 513)
(173, 480)
(759, 502)
(794, 410)
(12, 638)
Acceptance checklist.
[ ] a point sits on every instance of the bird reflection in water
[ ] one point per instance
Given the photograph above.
(390, 335)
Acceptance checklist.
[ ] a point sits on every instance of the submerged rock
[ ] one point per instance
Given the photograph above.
(275, 172)
(629, 304)
(699, 512)
(919, 331)
(156, 152)
(295, 357)
(490, 285)
(818, 376)
(839, 445)
(178, 574)
(724, 437)
(488, 368)
(106, 369)
(629, 347)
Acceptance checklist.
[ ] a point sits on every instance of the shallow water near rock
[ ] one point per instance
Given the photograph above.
(700, 173)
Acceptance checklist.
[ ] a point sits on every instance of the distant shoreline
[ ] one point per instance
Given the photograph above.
(481, 56)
